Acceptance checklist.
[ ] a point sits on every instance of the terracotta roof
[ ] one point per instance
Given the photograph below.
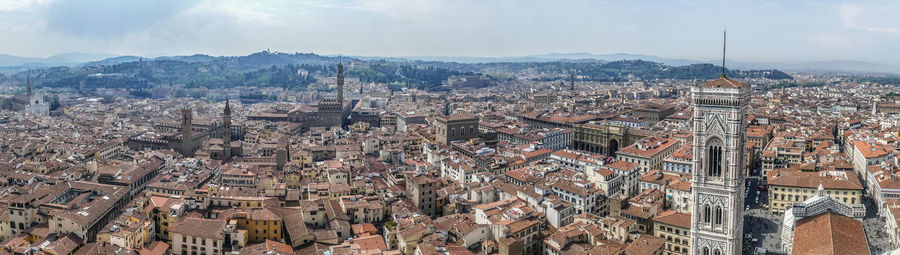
(674, 218)
(648, 147)
(457, 117)
(269, 248)
(360, 229)
(517, 226)
(646, 244)
(373, 242)
(871, 150)
(622, 165)
(539, 152)
(155, 248)
(828, 179)
(685, 153)
(830, 233)
(722, 82)
(606, 247)
(214, 229)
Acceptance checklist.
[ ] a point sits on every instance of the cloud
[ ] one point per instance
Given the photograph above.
(104, 19)
(836, 41)
(240, 11)
(398, 8)
(20, 5)
(849, 14)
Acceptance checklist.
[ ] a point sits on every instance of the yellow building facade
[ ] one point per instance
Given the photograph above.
(260, 224)
(788, 187)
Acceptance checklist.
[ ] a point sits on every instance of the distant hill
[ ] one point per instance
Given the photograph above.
(295, 71)
(65, 59)
(298, 72)
(812, 66)
(12, 64)
(834, 66)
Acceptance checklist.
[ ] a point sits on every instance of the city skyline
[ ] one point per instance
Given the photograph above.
(761, 31)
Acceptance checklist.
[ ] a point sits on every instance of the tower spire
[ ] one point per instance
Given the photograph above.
(227, 105)
(724, 40)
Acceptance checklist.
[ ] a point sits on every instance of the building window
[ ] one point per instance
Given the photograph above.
(718, 215)
(714, 156)
(706, 214)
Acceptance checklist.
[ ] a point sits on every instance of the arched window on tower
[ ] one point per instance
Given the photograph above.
(714, 157)
(706, 214)
(705, 251)
(717, 252)
(718, 215)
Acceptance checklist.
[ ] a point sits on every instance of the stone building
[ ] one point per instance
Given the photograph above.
(455, 127)
(329, 112)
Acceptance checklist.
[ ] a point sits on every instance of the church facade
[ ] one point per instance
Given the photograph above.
(225, 147)
(28, 102)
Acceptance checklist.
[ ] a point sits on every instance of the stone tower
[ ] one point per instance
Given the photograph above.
(572, 81)
(340, 84)
(28, 86)
(187, 134)
(720, 123)
(226, 137)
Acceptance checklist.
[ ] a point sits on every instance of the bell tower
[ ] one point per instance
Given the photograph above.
(28, 86)
(340, 84)
(720, 124)
(187, 134)
(226, 137)
(572, 81)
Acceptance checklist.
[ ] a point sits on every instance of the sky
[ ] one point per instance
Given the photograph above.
(758, 30)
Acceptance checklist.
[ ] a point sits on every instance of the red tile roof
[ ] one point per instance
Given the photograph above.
(674, 218)
(829, 179)
(830, 233)
(722, 82)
